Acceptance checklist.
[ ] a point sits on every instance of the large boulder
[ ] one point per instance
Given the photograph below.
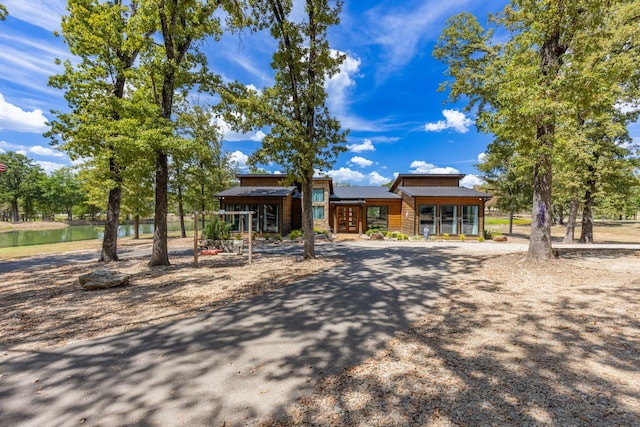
(103, 279)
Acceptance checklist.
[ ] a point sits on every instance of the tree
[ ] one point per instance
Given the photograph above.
(535, 89)
(508, 177)
(61, 192)
(176, 64)
(107, 37)
(304, 137)
(14, 182)
(3, 12)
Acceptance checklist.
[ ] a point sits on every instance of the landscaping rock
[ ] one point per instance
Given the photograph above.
(103, 279)
(499, 238)
(377, 236)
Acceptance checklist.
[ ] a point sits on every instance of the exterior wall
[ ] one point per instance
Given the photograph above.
(430, 181)
(287, 215)
(408, 215)
(261, 181)
(325, 185)
(394, 213)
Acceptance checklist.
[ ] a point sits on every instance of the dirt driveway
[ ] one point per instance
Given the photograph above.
(375, 334)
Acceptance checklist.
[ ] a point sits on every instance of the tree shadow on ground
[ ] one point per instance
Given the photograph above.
(239, 362)
(480, 359)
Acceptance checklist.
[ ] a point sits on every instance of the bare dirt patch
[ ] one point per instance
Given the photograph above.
(45, 308)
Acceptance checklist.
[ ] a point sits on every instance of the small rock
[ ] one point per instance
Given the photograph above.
(103, 279)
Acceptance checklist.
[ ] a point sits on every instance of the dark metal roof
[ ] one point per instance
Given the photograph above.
(257, 192)
(362, 192)
(442, 192)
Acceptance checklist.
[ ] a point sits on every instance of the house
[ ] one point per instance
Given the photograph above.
(410, 204)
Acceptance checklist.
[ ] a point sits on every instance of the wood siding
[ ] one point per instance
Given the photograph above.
(430, 181)
(394, 211)
(408, 216)
(261, 181)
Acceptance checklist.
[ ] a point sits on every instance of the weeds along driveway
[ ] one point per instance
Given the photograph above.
(243, 362)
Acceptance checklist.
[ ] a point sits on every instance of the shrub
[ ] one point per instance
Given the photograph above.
(216, 229)
(488, 234)
(374, 230)
(277, 237)
(389, 234)
(238, 236)
(318, 231)
(267, 236)
(462, 237)
(295, 234)
(445, 236)
(480, 239)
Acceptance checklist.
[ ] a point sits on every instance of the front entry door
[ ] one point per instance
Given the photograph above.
(348, 217)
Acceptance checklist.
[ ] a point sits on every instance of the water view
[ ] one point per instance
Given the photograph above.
(74, 233)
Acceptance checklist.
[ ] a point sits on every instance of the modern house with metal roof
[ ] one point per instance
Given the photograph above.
(410, 204)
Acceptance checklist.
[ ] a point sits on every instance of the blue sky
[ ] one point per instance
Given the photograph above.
(386, 92)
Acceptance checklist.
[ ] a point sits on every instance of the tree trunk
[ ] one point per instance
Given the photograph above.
(307, 218)
(160, 253)
(569, 234)
(511, 221)
(586, 233)
(183, 231)
(14, 210)
(109, 251)
(136, 228)
(540, 241)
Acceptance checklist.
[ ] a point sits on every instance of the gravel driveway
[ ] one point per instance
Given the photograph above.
(411, 333)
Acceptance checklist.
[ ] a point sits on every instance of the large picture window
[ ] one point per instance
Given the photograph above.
(427, 218)
(265, 218)
(318, 195)
(271, 219)
(378, 217)
(470, 220)
(448, 219)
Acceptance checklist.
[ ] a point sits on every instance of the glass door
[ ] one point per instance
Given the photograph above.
(348, 219)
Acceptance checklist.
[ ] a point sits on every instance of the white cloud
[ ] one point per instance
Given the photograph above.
(482, 157)
(419, 166)
(228, 134)
(16, 119)
(360, 161)
(471, 181)
(403, 27)
(49, 166)
(346, 175)
(455, 120)
(376, 179)
(239, 160)
(44, 14)
(44, 151)
(359, 148)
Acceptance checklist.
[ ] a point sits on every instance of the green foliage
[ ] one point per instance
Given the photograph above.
(480, 239)
(295, 234)
(3, 12)
(375, 230)
(216, 229)
(277, 237)
(445, 236)
(549, 93)
(462, 237)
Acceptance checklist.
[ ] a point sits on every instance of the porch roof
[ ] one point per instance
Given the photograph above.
(257, 192)
(443, 192)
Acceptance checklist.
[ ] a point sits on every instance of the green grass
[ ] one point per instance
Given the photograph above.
(502, 221)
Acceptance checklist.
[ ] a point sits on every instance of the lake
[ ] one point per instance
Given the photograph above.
(73, 233)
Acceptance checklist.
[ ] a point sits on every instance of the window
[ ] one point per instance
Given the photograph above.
(427, 218)
(318, 195)
(469, 220)
(271, 219)
(318, 212)
(448, 219)
(378, 217)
